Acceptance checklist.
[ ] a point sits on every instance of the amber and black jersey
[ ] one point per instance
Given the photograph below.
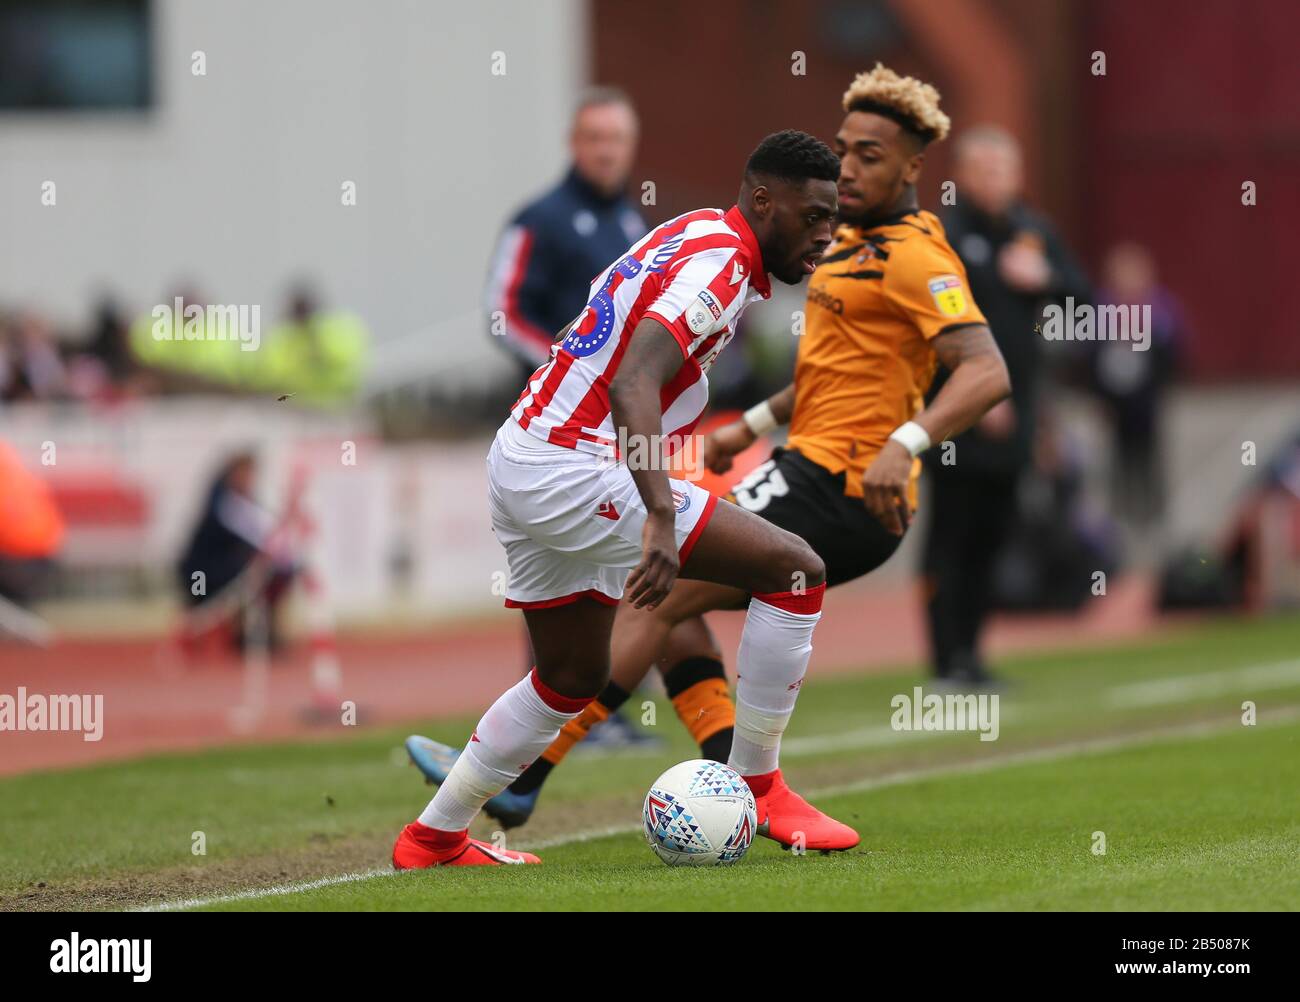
(878, 298)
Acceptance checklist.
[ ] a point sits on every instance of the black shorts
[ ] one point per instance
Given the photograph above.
(801, 497)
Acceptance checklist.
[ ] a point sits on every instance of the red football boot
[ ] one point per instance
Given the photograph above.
(783, 816)
(419, 847)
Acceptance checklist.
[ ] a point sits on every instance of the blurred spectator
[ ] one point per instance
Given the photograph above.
(555, 245)
(1257, 565)
(314, 356)
(1015, 263)
(110, 342)
(31, 529)
(231, 560)
(1133, 382)
(103, 368)
(318, 355)
(179, 365)
(30, 365)
(1058, 541)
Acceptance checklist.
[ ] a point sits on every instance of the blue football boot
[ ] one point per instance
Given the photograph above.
(435, 760)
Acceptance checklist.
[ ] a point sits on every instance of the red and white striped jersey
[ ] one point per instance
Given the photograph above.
(694, 274)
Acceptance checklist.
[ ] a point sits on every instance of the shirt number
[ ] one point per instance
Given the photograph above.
(757, 490)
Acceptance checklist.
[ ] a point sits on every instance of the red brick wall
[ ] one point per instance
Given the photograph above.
(1198, 97)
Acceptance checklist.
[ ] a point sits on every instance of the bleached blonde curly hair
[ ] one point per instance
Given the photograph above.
(907, 100)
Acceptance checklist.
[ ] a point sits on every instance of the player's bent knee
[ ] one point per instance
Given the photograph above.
(807, 563)
(795, 565)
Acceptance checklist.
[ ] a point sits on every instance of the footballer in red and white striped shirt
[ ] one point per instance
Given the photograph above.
(579, 528)
(695, 275)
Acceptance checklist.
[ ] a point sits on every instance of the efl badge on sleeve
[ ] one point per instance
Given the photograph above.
(948, 295)
(703, 313)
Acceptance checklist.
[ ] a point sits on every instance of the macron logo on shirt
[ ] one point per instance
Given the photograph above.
(737, 273)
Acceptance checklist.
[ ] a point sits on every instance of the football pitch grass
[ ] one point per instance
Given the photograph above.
(1139, 749)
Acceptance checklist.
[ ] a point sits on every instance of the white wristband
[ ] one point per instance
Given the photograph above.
(912, 437)
(760, 419)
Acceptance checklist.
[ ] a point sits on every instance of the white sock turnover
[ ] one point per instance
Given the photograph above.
(774, 651)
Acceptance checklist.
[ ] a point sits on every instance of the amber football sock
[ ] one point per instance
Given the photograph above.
(698, 689)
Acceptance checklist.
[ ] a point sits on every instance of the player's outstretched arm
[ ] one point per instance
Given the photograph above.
(653, 357)
(723, 443)
(978, 380)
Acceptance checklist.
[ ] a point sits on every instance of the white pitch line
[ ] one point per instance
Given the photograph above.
(862, 737)
(575, 838)
(1179, 689)
(1091, 746)
(876, 736)
(859, 786)
(1182, 688)
(266, 892)
(352, 878)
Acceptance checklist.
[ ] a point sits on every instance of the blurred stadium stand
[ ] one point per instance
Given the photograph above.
(233, 180)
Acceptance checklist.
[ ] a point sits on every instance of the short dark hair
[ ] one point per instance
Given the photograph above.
(794, 156)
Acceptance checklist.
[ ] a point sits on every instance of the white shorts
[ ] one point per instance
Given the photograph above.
(571, 522)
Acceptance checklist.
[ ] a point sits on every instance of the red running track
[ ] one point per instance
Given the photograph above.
(152, 703)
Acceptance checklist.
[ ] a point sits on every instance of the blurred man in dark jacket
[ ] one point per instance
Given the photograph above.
(555, 245)
(1016, 264)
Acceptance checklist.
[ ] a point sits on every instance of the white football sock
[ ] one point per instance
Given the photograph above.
(516, 729)
(774, 651)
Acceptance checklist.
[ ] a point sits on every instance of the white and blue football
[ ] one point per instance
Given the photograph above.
(699, 813)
